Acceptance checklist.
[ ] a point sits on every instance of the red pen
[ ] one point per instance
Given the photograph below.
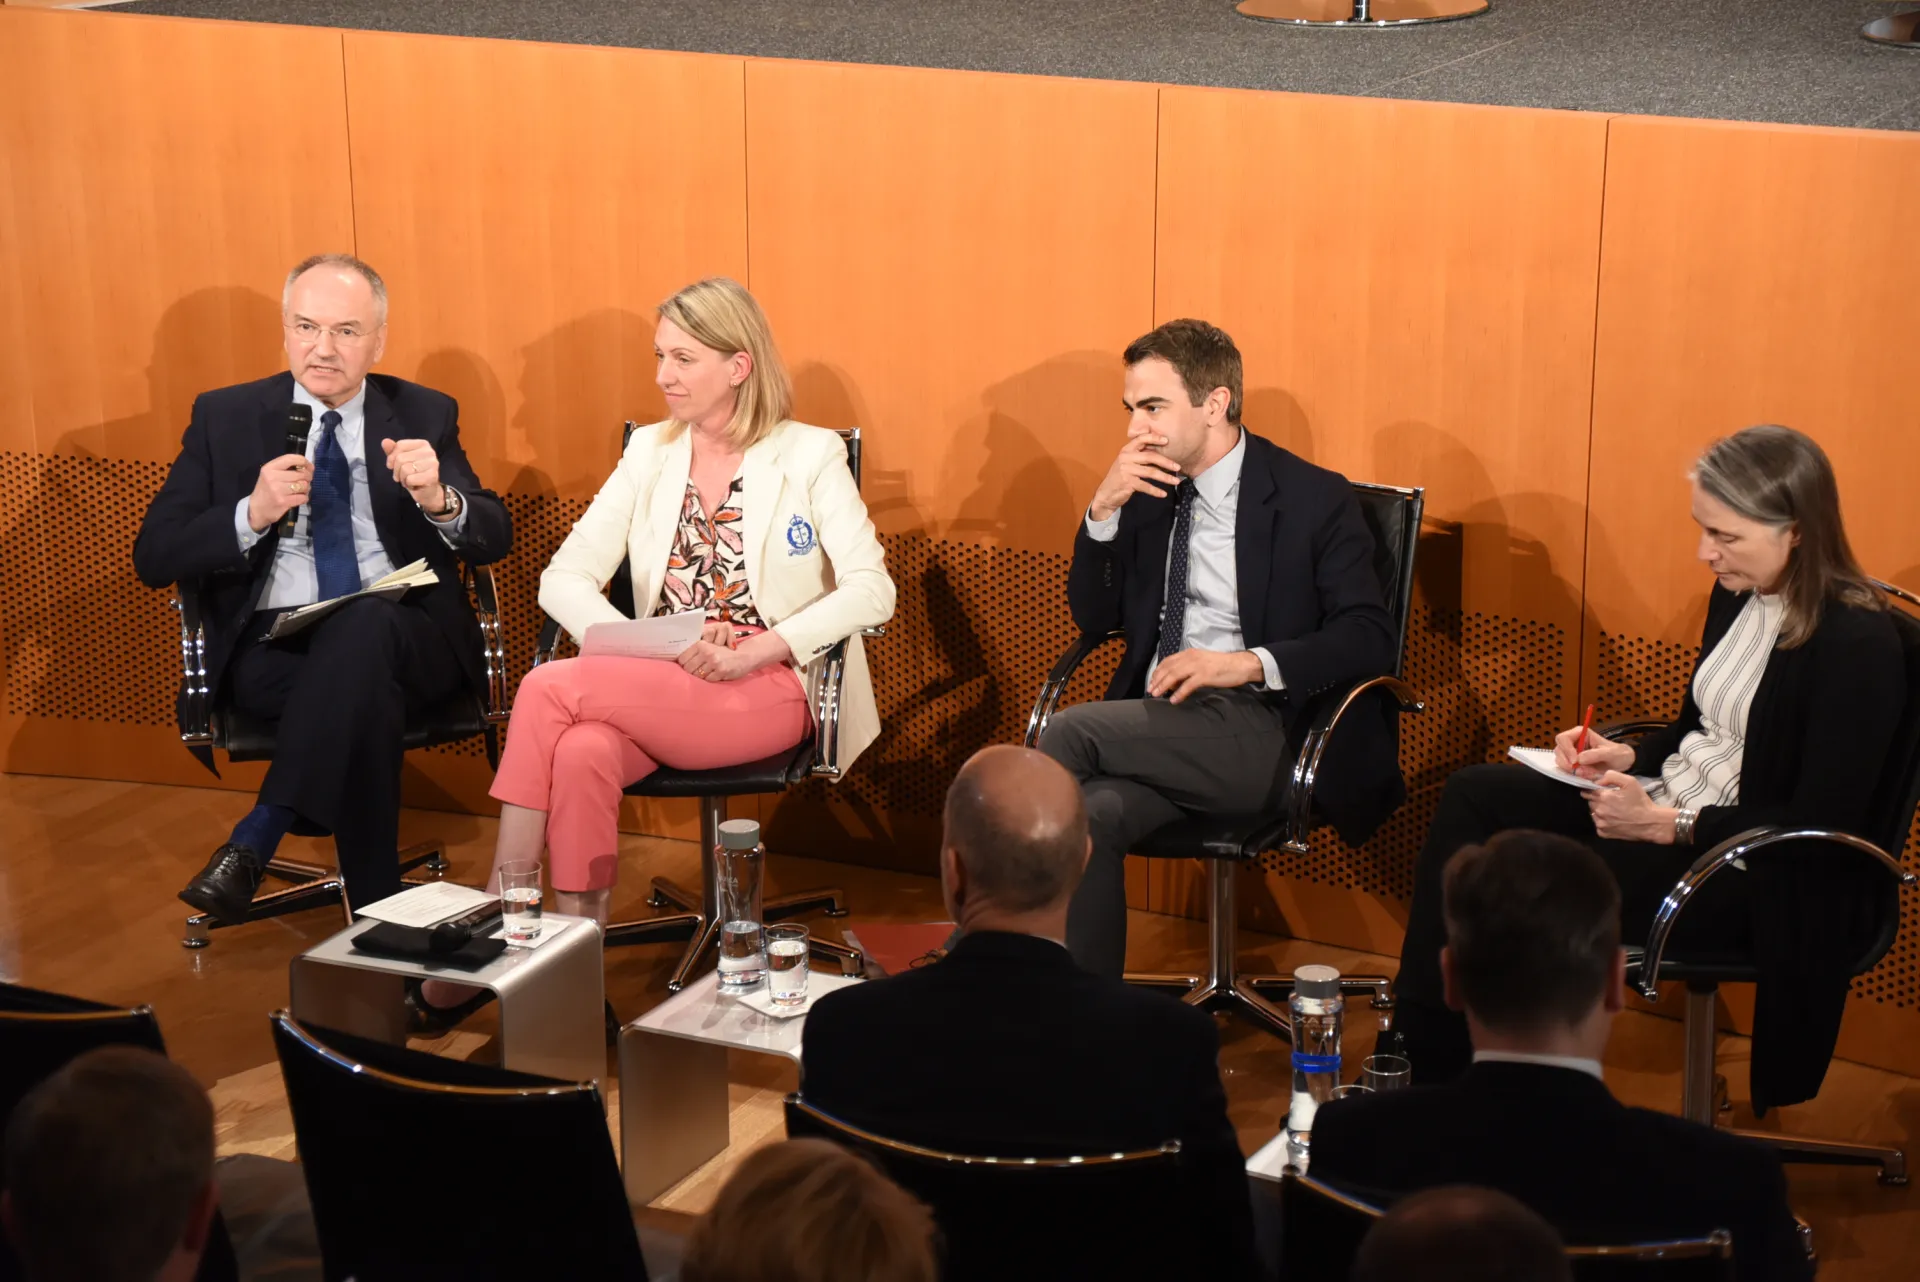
(1580, 744)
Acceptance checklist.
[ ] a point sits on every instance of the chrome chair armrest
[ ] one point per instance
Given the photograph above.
(1306, 763)
(1739, 846)
(493, 646)
(1627, 731)
(196, 704)
(549, 641)
(1056, 684)
(826, 714)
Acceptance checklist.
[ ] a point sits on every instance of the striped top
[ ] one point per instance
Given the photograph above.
(1705, 771)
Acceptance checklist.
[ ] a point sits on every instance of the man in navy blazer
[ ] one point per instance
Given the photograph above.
(1533, 958)
(1244, 578)
(382, 482)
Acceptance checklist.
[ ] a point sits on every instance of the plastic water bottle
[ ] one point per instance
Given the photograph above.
(739, 861)
(1317, 1014)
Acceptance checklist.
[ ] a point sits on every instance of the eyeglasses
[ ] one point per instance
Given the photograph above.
(308, 333)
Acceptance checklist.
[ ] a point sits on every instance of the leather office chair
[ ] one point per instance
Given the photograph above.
(1006, 1218)
(211, 724)
(530, 1186)
(1322, 1227)
(697, 920)
(41, 1031)
(1223, 842)
(1896, 797)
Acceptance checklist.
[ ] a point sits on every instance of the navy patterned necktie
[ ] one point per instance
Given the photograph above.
(330, 514)
(1173, 619)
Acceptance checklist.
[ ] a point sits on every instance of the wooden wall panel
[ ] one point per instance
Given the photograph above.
(953, 262)
(529, 205)
(163, 177)
(1412, 288)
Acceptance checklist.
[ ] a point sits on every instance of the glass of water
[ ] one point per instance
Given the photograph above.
(787, 948)
(520, 901)
(743, 956)
(1386, 1072)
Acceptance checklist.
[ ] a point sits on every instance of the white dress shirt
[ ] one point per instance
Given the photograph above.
(1213, 588)
(1579, 1065)
(293, 580)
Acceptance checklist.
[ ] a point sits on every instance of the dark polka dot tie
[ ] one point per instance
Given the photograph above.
(1173, 619)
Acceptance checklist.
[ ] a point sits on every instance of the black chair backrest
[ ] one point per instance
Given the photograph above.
(39, 1033)
(413, 1172)
(1321, 1228)
(1109, 1215)
(1393, 516)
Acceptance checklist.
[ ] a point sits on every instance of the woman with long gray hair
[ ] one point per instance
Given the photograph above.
(1790, 712)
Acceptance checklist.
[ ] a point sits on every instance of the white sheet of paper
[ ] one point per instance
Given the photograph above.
(426, 905)
(665, 637)
(1541, 759)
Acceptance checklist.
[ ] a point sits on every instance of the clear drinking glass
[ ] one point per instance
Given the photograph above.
(520, 901)
(787, 948)
(1342, 1092)
(1386, 1072)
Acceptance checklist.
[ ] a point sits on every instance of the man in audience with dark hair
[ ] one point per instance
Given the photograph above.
(1007, 1047)
(109, 1171)
(1461, 1234)
(1533, 958)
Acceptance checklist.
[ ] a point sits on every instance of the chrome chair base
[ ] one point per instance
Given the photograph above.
(697, 920)
(1224, 988)
(1703, 1099)
(1375, 14)
(1902, 31)
(316, 886)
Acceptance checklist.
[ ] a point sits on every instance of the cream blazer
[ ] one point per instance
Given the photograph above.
(817, 570)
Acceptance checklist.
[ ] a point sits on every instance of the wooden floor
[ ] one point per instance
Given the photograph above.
(87, 907)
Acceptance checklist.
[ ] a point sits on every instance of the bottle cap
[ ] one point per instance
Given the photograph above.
(1318, 982)
(739, 834)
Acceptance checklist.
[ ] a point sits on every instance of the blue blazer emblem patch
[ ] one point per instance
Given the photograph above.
(799, 537)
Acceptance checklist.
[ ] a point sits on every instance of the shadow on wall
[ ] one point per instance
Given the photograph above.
(82, 639)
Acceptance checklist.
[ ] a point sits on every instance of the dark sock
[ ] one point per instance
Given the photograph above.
(262, 830)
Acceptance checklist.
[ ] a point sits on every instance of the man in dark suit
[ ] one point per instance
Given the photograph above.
(1006, 1047)
(1533, 958)
(1244, 579)
(382, 483)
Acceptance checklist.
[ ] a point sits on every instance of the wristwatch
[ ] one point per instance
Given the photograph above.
(451, 503)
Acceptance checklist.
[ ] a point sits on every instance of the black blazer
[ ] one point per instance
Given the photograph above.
(1309, 594)
(187, 535)
(1557, 1139)
(1819, 731)
(1008, 1048)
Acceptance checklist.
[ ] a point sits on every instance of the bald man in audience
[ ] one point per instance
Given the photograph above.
(1006, 1046)
(1461, 1233)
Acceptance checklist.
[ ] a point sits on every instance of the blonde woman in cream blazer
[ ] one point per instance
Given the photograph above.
(728, 507)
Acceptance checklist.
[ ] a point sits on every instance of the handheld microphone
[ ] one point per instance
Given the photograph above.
(299, 423)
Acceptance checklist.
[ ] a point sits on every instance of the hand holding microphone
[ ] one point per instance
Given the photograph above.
(284, 482)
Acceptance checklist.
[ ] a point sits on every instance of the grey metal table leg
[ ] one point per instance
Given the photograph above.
(673, 1109)
(365, 1003)
(558, 1028)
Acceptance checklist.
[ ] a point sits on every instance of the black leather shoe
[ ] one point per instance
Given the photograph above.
(225, 886)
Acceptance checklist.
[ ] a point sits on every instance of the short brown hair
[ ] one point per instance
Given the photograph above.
(810, 1211)
(1782, 478)
(1461, 1233)
(1203, 355)
(105, 1163)
(1533, 926)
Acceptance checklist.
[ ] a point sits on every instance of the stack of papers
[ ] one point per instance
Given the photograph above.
(399, 583)
(1541, 759)
(427, 905)
(665, 636)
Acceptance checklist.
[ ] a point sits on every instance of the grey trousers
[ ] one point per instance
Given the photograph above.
(1141, 763)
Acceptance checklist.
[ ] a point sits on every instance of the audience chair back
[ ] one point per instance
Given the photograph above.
(39, 1033)
(1321, 1228)
(1099, 1215)
(1393, 518)
(422, 1167)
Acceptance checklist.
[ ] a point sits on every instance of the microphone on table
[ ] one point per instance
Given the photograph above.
(299, 423)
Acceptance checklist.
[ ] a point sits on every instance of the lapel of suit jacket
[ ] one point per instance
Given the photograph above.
(391, 503)
(670, 467)
(1254, 526)
(762, 476)
(276, 398)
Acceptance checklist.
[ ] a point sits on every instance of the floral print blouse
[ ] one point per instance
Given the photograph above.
(707, 569)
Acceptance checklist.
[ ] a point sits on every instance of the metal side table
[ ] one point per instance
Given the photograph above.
(552, 998)
(673, 1077)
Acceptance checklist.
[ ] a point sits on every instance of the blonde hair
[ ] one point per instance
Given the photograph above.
(719, 313)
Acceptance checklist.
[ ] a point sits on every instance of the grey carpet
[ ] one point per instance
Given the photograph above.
(1788, 61)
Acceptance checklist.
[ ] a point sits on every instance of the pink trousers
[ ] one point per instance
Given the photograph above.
(583, 729)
